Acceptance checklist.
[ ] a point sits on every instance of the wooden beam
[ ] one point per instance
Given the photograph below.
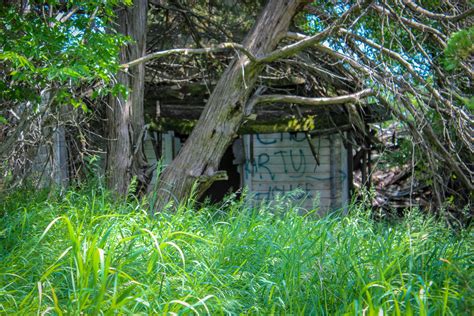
(283, 124)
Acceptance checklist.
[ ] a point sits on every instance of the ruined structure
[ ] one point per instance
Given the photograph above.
(281, 148)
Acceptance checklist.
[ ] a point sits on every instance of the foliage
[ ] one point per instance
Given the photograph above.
(459, 47)
(84, 253)
(56, 59)
(42, 49)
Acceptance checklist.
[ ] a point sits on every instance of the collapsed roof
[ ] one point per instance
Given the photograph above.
(177, 87)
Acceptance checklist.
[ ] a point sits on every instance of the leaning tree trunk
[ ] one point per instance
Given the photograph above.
(125, 118)
(198, 160)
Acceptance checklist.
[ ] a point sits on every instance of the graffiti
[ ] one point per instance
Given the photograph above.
(280, 138)
(299, 191)
(268, 164)
(265, 141)
(283, 163)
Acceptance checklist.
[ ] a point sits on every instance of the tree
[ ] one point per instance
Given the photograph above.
(198, 160)
(391, 46)
(397, 48)
(126, 127)
(415, 59)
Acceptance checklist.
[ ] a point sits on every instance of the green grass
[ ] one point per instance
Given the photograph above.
(85, 253)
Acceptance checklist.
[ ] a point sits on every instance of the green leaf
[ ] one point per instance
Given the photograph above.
(119, 90)
(19, 60)
(459, 47)
(70, 72)
(79, 104)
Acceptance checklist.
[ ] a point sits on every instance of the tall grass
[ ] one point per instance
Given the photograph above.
(84, 253)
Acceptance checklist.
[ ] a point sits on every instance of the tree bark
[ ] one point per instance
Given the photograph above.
(198, 160)
(125, 117)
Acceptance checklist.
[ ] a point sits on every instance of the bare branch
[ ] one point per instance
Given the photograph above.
(189, 51)
(396, 56)
(436, 16)
(343, 58)
(69, 15)
(392, 54)
(440, 37)
(282, 98)
(294, 48)
(296, 36)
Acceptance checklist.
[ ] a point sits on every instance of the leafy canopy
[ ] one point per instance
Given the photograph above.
(56, 47)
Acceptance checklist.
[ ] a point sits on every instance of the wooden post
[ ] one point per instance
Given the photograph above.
(332, 172)
(369, 159)
(350, 165)
(364, 165)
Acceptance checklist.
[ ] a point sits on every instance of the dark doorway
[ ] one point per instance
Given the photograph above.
(220, 189)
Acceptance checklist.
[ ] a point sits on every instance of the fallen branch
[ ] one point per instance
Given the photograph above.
(220, 175)
(205, 181)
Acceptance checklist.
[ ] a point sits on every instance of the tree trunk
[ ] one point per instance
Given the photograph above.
(199, 158)
(125, 155)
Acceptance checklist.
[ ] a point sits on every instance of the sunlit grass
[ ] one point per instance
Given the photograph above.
(85, 253)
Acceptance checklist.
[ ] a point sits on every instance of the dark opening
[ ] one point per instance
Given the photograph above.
(219, 189)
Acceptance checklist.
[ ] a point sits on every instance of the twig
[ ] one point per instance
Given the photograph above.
(437, 16)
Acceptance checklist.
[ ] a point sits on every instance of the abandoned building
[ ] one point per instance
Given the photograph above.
(281, 148)
(311, 151)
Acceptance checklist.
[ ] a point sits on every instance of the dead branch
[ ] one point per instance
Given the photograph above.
(440, 37)
(294, 99)
(437, 16)
(294, 48)
(189, 51)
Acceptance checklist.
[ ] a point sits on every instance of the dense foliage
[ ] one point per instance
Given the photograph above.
(55, 58)
(45, 48)
(81, 252)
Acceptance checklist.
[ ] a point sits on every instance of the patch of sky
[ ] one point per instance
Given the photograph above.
(81, 24)
(417, 60)
(315, 24)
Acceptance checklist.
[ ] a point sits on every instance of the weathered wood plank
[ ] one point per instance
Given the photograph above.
(283, 162)
(324, 197)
